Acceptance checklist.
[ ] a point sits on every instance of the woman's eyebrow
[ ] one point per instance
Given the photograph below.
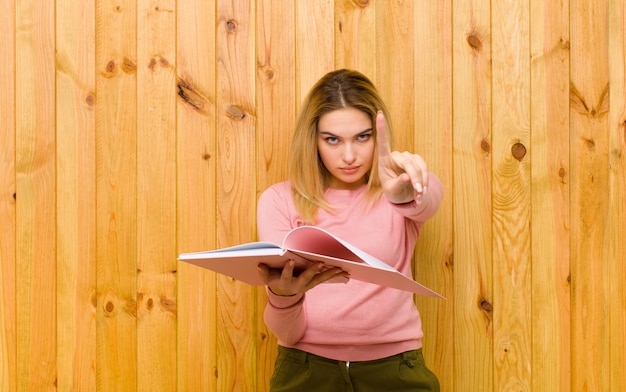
(328, 133)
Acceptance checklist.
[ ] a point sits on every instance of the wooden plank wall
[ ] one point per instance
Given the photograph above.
(132, 131)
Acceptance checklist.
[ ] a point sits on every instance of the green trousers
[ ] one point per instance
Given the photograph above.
(299, 371)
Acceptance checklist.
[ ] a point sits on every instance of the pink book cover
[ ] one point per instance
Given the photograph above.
(305, 244)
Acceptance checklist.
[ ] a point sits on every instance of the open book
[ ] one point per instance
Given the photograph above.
(305, 245)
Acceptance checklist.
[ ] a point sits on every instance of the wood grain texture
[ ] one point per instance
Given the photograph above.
(156, 195)
(472, 156)
(396, 61)
(196, 179)
(8, 375)
(590, 190)
(614, 247)
(511, 195)
(76, 195)
(275, 108)
(550, 195)
(35, 173)
(432, 130)
(116, 189)
(236, 191)
(355, 36)
(315, 45)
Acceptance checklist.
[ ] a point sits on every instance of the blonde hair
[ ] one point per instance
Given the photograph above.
(309, 177)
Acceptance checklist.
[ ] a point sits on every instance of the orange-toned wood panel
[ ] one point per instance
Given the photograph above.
(589, 108)
(35, 216)
(156, 196)
(8, 342)
(196, 222)
(614, 248)
(116, 189)
(511, 191)
(236, 190)
(549, 24)
(314, 44)
(76, 195)
(471, 195)
(432, 131)
(396, 67)
(355, 36)
(275, 108)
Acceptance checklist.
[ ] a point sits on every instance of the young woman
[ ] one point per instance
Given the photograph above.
(344, 178)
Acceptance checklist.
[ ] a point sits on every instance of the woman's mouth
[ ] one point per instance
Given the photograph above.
(350, 169)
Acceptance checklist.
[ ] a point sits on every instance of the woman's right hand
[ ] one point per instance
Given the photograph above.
(285, 283)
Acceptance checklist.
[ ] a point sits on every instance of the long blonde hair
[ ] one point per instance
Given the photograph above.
(309, 177)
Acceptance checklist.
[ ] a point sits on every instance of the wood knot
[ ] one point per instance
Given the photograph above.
(160, 61)
(485, 146)
(14, 196)
(485, 306)
(109, 307)
(519, 151)
(231, 26)
(192, 96)
(168, 305)
(590, 144)
(206, 156)
(562, 174)
(163, 62)
(149, 304)
(152, 64)
(109, 69)
(474, 42)
(129, 66)
(90, 99)
(235, 112)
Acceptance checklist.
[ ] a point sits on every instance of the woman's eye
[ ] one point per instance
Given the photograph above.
(331, 140)
(364, 137)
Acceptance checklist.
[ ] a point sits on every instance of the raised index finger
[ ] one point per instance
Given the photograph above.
(382, 137)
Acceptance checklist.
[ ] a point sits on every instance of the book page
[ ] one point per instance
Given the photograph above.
(311, 239)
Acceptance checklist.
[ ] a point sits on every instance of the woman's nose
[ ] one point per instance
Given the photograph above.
(349, 154)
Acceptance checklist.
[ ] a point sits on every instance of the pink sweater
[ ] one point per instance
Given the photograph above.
(354, 321)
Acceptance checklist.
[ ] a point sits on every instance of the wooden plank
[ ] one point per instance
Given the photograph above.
(236, 190)
(314, 44)
(76, 195)
(511, 194)
(36, 199)
(355, 36)
(116, 188)
(589, 103)
(471, 196)
(550, 196)
(156, 192)
(614, 247)
(8, 373)
(434, 256)
(275, 108)
(395, 74)
(196, 226)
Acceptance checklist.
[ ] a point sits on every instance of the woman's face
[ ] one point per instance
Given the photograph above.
(345, 141)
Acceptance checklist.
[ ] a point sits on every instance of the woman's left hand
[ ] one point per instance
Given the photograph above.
(403, 175)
